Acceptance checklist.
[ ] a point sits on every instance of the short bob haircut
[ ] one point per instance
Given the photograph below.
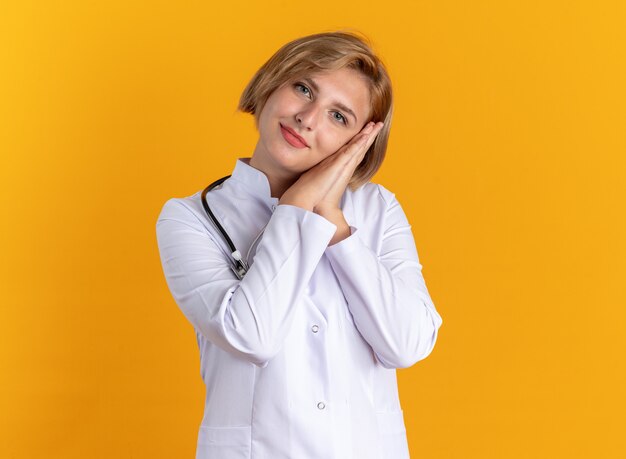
(326, 52)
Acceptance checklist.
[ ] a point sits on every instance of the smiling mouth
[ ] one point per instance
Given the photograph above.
(292, 138)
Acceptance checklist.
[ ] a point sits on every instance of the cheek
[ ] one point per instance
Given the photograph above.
(337, 141)
(327, 147)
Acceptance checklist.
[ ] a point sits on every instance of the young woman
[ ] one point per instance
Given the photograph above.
(299, 350)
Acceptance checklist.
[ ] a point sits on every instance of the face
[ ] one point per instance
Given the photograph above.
(309, 119)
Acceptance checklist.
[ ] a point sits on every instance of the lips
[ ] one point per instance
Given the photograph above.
(292, 137)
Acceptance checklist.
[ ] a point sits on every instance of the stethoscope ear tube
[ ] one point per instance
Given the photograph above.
(240, 267)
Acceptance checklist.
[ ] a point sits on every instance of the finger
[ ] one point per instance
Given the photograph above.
(355, 148)
(369, 127)
(363, 147)
(370, 132)
(360, 140)
(365, 142)
(365, 133)
(362, 134)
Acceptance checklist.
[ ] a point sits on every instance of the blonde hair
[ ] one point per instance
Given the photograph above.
(326, 52)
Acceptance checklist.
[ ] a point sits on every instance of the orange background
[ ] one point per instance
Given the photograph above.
(507, 153)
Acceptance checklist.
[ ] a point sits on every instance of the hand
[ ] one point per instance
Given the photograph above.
(320, 188)
(330, 202)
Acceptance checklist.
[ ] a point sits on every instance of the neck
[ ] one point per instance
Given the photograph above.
(279, 182)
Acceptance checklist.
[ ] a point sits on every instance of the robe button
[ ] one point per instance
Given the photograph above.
(315, 328)
(321, 405)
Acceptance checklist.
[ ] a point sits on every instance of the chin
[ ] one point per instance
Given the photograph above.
(289, 159)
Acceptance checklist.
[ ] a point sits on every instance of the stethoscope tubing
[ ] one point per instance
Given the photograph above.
(240, 267)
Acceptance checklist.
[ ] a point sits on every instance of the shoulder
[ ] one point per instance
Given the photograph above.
(370, 194)
(368, 206)
(186, 209)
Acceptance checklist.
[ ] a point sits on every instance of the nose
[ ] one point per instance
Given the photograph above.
(307, 117)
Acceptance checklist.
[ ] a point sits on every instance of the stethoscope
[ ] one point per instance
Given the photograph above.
(239, 265)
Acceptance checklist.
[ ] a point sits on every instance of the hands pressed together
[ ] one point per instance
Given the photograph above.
(320, 188)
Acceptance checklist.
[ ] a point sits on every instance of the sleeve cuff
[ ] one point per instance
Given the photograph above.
(321, 224)
(346, 246)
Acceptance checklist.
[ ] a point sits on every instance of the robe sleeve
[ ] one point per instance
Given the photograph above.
(249, 318)
(386, 291)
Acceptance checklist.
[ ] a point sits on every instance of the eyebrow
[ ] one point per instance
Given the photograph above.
(337, 103)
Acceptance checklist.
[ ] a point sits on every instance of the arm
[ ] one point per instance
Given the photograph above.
(249, 318)
(386, 292)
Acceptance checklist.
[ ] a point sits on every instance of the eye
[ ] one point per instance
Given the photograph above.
(304, 90)
(342, 119)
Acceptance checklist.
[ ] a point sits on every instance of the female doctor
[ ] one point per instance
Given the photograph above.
(299, 355)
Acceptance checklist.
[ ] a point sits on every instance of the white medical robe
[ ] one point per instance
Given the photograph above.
(299, 357)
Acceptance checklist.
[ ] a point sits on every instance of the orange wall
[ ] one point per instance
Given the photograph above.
(507, 152)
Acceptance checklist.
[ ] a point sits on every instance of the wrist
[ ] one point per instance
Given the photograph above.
(296, 202)
(335, 216)
(329, 210)
(343, 232)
